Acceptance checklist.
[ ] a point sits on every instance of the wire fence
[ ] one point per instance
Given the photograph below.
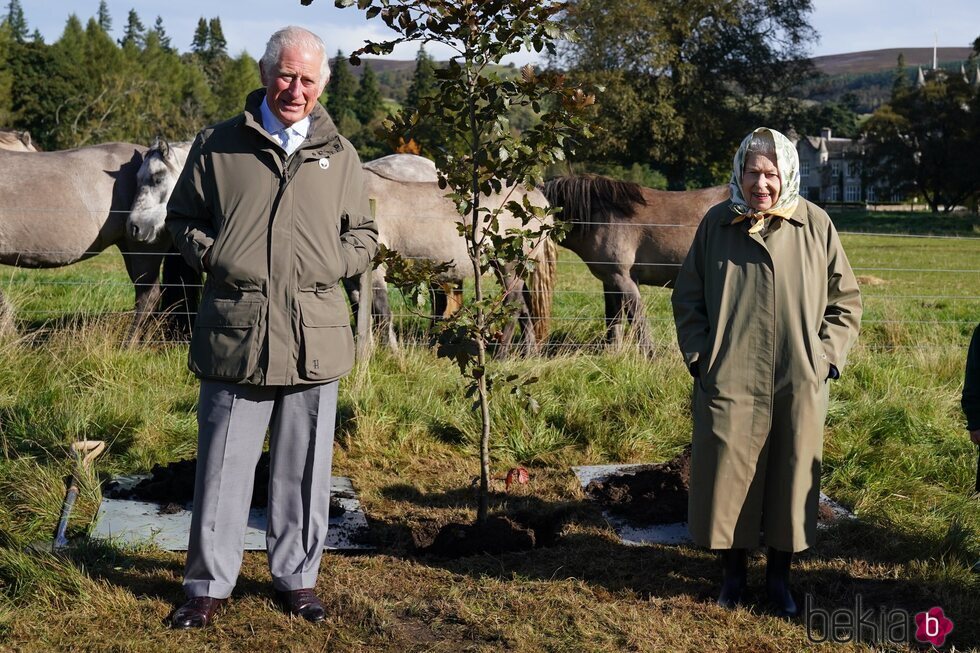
(578, 321)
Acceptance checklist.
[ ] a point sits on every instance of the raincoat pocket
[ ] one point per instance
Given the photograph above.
(225, 342)
(327, 344)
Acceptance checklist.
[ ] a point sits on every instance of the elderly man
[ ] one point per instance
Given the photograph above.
(270, 204)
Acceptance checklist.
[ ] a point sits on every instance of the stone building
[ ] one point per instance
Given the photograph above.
(831, 171)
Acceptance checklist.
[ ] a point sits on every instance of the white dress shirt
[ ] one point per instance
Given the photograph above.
(290, 137)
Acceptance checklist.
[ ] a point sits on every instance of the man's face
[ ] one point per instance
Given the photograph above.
(293, 87)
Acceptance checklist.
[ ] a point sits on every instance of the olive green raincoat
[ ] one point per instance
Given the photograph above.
(760, 319)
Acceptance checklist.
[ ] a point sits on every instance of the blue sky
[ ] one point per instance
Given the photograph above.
(844, 25)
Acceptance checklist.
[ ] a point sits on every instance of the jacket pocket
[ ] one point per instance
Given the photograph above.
(226, 338)
(821, 366)
(327, 345)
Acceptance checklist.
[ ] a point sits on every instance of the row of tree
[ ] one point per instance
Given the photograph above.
(924, 141)
(680, 81)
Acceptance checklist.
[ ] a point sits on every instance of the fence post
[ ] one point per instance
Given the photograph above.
(364, 305)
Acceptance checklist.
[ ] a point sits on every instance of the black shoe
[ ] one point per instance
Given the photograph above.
(777, 584)
(735, 563)
(302, 603)
(195, 613)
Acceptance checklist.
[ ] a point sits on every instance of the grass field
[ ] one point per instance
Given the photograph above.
(896, 452)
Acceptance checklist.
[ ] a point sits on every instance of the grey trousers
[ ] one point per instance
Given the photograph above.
(232, 422)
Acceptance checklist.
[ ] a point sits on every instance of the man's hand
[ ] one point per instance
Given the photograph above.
(975, 436)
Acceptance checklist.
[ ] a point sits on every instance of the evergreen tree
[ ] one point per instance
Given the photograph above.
(423, 80)
(423, 87)
(901, 83)
(103, 17)
(6, 75)
(368, 98)
(15, 21)
(341, 90)
(241, 77)
(135, 33)
(217, 45)
(161, 34)
(199, 44)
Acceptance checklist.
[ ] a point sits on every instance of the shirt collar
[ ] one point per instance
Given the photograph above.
(273, 124)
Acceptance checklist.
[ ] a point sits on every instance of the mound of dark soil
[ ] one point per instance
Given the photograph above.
(173, 485)
(657, 494)
(496, 535)
(651, 494)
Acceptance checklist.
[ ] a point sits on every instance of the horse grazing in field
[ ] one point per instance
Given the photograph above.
(413, 217)
(417, 220)
(16, 141)
(58, 208)
(629, 235)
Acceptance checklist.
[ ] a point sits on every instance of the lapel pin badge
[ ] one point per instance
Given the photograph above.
(324, 163)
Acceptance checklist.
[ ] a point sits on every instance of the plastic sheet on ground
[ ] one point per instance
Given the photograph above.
(633, 534)
(125, 521)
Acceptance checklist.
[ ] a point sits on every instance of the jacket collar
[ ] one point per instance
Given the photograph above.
(322, 133)
(799, 215)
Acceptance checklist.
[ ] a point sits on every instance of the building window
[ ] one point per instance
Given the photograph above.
(835, 169)
(851, 193)
(804, 169)
(872, 196)
(805, 192)
(834, 194)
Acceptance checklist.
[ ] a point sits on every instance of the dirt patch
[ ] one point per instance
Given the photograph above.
(496, 535)
(870, 280)
(651, 494)
(657, 494)
(172, 485)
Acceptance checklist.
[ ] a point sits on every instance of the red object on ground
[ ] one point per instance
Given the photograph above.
(516, 475)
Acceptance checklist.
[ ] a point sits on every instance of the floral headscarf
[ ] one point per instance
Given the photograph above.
(788, 163)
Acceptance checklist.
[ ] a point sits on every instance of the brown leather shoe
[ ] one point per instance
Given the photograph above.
(302, 603)
(195, 613)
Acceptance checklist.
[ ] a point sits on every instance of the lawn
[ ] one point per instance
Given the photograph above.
(896, 452)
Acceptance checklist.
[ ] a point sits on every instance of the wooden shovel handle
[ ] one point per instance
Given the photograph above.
(88, 450)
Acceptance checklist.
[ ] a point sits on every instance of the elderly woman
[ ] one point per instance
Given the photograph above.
(766, 308)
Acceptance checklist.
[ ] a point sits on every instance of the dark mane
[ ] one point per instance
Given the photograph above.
(588, 199)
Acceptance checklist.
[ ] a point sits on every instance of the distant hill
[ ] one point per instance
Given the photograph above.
(866, 78)
(867, 75)
(873, 61)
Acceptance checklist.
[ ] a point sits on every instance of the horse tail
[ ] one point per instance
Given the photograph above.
(541, 286)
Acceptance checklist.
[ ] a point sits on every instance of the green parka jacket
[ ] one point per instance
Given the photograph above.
(282, 233)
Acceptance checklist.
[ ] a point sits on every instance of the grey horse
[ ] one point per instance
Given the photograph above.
(16, 141)
(413, 215)
(58, 208)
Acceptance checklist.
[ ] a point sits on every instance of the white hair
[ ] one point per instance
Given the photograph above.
(762, 143)
(295, 37)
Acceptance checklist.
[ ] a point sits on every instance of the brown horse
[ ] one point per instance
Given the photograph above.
(629, 235)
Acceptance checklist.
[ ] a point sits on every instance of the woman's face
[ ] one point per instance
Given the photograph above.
(760, 181)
